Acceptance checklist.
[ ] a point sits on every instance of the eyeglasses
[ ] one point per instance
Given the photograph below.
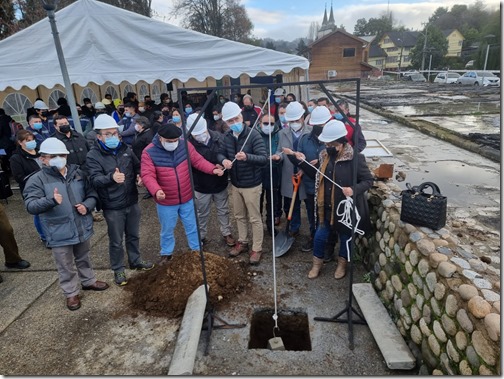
(51, 156)
(266, 124)
(108, 135)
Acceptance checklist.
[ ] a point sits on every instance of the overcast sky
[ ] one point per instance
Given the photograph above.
(288, 19)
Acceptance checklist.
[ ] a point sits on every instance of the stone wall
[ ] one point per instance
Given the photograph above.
(444, 299)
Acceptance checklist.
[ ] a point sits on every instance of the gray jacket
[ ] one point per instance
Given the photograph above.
(61, 223)
(286, 186)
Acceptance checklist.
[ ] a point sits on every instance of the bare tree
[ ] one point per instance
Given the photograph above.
(220, 18)
(312, 31)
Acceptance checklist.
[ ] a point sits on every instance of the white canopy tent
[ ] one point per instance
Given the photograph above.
(104, 43)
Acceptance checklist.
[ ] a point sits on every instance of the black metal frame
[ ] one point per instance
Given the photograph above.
(349, 309)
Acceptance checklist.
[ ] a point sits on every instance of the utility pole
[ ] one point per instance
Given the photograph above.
(424, 43)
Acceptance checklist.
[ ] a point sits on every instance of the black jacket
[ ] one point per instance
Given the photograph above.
(140, 141)
(23, 164)
(206, 183)
(245, 174)
(77, 145)
(101, 164)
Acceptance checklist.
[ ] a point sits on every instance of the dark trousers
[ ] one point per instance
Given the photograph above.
(296, 213)
(7, 240)
(277, 205)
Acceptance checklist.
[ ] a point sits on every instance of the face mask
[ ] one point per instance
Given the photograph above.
(248, 107)
(45, 113)
(89, 105)
(338, 116)
(222, 101)
(127, 114)
(37, 126)
(202, 138)
(165, 113)
(170, 146)
(112, 142)
(310, 109)
(237, 128)
(138, 128)
(295, 126)
(278, 100)
(188, 110)
(58, 162)
(317, 129)
(331, 150)
(267, 128)
(216, 117)
(141, 109)
(283, 120)
(64, 128)
(120, 110)
(30, 145)
(176, 119)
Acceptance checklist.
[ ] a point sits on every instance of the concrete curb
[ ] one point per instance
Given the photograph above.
(183, 358)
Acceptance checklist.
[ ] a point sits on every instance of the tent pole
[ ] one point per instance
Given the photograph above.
(59, 51)
(307, 88)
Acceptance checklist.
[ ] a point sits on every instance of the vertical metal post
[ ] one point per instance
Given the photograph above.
(424, 46)
(486, 57)
(64, 71)
(430, 63)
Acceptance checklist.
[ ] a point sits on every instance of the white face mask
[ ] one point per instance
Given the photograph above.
(295, 126)
(267, 129)
(141, 109)
(170, 146)
(138, 128)
(202, 138)
(58, 162)
(216, 117)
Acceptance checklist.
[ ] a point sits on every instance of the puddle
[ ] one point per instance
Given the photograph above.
(486, 124)
(461, 181)
(431, 109)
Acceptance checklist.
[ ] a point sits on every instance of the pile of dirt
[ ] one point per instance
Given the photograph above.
(164, 290)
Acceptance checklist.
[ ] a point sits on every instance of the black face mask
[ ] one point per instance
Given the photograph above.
(44, 113)
(248, 107)
(166, 113)
(64, 128)
(317, 129)
(331, 151)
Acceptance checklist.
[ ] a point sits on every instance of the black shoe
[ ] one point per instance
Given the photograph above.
(142, 265)
(308, 246)
(21, 265)
(120, 278)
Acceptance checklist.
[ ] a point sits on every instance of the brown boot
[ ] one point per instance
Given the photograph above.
(341, 269)
(317, 265)
(238, 249)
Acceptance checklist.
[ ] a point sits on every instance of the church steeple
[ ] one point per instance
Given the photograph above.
(331, 16)
(324, 22)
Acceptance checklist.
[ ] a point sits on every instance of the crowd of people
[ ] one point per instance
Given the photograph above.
(69, 179)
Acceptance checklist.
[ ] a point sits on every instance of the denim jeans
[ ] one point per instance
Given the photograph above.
(38, 226)
(321, 237)
(168, 217)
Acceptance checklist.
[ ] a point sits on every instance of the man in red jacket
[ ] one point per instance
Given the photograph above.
(165, 174)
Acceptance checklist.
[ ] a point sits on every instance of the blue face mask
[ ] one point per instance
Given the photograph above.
(310, 109)
(176, 119)
(30, 145)
(338, 116)
(237, 127)
(278, 100)
(37, 125)
(283, 120)
(112, 142)
(127, 114)
(188, 110)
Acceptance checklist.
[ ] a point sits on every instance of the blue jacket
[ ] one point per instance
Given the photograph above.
(266, 183)
(311, 147)
(61, 223)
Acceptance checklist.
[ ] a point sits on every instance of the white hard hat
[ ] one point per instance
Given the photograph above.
(99, 105)
(200, 127)
(230, 110)
(53, 146)
(279, 92)
(332, 131)
(104, 121)
(294, 111)
(320, 115)
(39, 104)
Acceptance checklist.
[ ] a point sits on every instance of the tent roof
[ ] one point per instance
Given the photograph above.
(104, 43)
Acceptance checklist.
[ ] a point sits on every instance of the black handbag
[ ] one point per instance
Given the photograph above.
(5, 188)
(424, 209)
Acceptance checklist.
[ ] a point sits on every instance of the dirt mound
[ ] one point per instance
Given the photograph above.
(164, 290)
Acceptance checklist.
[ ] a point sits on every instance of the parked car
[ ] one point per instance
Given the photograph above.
(479, 78)
(446, 78)
(415, 77)
(469, 65)
(409, 72)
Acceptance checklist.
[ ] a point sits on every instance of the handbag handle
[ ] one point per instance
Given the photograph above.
(435, 189)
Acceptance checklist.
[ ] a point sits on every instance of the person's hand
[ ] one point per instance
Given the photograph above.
(139, 181)
(241, 156)
(81, 209)
(118, 176)
(287, 151)
(219, 166)
(247, 123)
(347, 191)
(57, 196)
(160, 195)
(227, 164)
(218, 171)
(299, 156)
(314, 162)
(275, 157)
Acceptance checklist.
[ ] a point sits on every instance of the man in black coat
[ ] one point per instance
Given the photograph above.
(143, 136)
(75, 142)
(209, 188)
(244, 154)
